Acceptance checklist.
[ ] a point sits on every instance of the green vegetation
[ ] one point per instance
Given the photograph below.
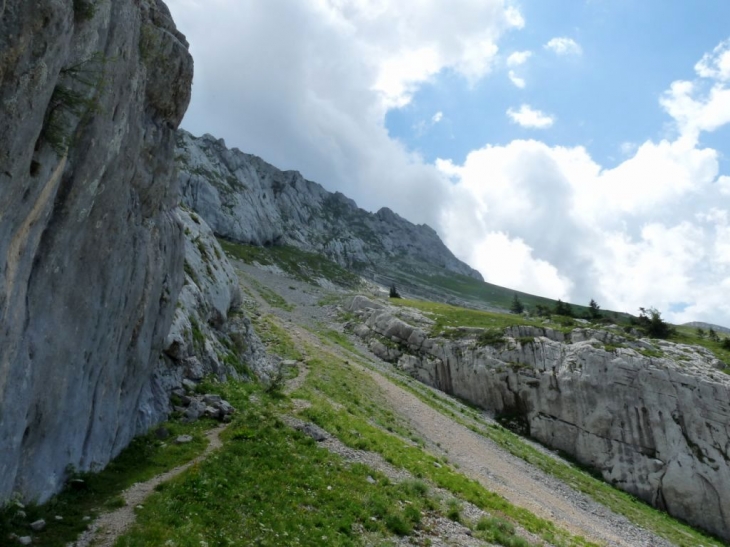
(276, 339)
(447, 317)
(272, 298)
(75, 97)
(144, 458)
(365, 422)
(720, 347)
(573, 475)
(517, 307)
(299, 264)
(84, 10)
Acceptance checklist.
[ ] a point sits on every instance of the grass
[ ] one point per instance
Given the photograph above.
(580, 479)
(481, 292)
(573, 475)
(307, 267)
(144, 458)
(276, 339)
(364, 422)
(688, 335)
(448, 317)
(271, 485)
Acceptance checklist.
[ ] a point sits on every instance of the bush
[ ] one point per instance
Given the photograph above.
(651, 323)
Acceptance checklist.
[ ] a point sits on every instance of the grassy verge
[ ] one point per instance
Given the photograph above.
(144, 458)
(584, 481)
(273, 299)
(271, 485)
(299, 264)
(366, 423)
(618, 501)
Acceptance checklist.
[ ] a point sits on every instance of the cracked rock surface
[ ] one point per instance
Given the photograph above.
(91, 250)
(656, 427)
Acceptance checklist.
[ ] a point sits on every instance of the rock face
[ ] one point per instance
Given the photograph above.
(210, 333)
(245, 199)
(91, 250)
(652, 416)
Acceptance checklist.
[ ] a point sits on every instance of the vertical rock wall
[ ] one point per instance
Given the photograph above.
(91, 252)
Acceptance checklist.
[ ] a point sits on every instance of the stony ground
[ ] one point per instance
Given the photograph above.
(313, 309)
(477, 457)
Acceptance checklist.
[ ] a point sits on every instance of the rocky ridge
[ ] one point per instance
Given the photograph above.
(245, 199)
(655, 426)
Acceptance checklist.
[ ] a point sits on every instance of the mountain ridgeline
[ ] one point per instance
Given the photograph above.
(247, 200)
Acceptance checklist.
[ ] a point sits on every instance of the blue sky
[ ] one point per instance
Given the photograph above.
(575, 149)
(603, 98)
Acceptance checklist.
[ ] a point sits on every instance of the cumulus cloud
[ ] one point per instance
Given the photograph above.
(564, 46)
(518, 58)
(307, 86)
(516, 80)
(716, 64)
(436, 118)
(527, 116)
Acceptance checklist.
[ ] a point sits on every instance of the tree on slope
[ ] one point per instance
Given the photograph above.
(594, 309)
(517, 306)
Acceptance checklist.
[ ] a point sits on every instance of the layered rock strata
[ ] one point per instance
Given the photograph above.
(91, 250)
(652, 416)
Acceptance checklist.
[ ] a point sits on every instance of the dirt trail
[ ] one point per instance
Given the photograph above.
(105, 531)
(477, 457)
(501, 472)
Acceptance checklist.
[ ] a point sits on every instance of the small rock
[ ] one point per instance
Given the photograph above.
(317, 433)
(162, 433)
(212, 412)
(182, 439)
(19, 505)
(21, 514)
(180, 392)
(86, 518)
(25, 540)
(185, 400)
(289, 363)
(370, 480)
(210, 398)
(140, 507)
(38, 525)
(58, 517)
(438, 465)
(189, 384)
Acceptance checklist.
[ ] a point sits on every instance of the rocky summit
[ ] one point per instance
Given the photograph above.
(247, 200)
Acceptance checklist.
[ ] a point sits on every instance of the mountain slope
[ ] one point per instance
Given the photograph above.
(245, 199)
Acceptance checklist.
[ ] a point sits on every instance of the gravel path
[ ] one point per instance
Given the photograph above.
(110, 526)
(476, 456)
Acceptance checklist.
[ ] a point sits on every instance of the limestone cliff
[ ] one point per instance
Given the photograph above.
(91, 250)
(245, 199)
(652, 416)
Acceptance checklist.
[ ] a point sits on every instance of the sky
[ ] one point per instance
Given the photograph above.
(574, 149)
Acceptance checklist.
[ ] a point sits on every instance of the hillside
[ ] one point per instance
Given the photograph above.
(347, 447)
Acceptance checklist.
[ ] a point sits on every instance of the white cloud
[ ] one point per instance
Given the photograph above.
(564, 46)
(516, 80)
(518, 58)
(314, 98)
(723, 184)
(436, 118)
(526, 116)
(716, 65)
(547, 219)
